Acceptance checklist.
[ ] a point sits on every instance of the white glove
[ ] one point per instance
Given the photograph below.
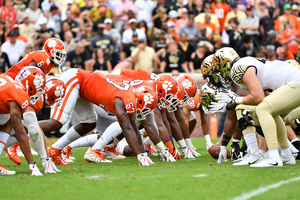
(142, 157)
(149, 159)
(34, 170)
(208, 145)
(187, 153)
(46, 163)
(229, 97)
(206, 110)
(195, 153)
(166, 156)
(216, 107)
(222, 155)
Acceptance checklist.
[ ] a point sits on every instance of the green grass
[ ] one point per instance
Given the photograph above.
(125, 179)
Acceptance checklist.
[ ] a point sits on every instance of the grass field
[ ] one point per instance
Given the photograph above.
(201, 178)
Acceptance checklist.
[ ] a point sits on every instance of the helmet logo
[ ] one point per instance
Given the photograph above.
(186, 84)
(148, 98)
(38, 81)
(167, 85)
(51, 43)
(59, 92)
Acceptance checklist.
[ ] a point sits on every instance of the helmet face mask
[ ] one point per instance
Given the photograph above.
(54, 92)
(165, 87)
(55, 50)
(207, 95)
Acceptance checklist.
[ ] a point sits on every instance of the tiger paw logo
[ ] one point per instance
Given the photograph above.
(51, 43)
(148, 98)
(59, 92)
(167, 85)
(38, 81)
(187, 84)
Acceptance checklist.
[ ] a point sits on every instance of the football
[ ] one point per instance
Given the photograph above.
(215, 150)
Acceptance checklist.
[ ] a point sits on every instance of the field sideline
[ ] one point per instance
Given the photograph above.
(201, 178)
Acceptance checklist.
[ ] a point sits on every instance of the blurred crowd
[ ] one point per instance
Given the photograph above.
(159, 36)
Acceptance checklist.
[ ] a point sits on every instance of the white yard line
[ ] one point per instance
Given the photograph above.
(264, 189)
(199, 175)
(96, 176)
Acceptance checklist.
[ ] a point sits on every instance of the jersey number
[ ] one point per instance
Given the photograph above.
(25, 104)
(40, 64)
(124, 86)
(130, 108)
(2, 82)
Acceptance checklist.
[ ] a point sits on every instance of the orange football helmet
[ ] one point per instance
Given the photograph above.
(165, 87)
(190, 88)
(177, 98)
(54, 91)
(146, 101)
(33, 81)
(55, 50)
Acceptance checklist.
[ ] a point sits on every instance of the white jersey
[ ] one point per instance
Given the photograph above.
(271, 74)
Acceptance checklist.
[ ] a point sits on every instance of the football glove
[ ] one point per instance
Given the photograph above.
(166, 156)
(34, 170)
(195, 153)
(222, 155)
(229, 97)
(176, 154)
(217, 107)
(142, 158)
(187, 153)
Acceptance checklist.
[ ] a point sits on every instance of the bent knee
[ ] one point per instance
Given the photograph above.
(263, 108)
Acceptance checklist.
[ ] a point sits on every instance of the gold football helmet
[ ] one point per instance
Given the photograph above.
(207, 95)
(294, 63)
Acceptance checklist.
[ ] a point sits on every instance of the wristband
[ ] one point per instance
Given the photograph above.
(239, 100)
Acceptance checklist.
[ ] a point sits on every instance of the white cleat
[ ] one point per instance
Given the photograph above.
(46, 163)
(187, 153)
(288, 161)
(195, 153)
(269, 162)
(111, 152)
(95, 156)
(34, 170)
(4, 171)
(249, 160)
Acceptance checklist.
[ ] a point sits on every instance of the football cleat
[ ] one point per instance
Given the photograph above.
(34, 169)
(249, 160)
(151, 150)
(46, 163)
(269, 162)
(67, 154)
(111, 152)
(187, 152)
(11, 152)
(4, 171)
(95, 156)
(55, 154)
(288, 161)
(195, 153)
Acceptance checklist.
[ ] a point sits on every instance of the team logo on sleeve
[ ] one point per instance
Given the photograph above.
(186, 84)
(59, 92)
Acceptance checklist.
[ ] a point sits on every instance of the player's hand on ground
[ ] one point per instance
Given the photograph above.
(195, 153)
(187, 152)
(34, 170)
(166, 156)
(142, 158)
(222, 154)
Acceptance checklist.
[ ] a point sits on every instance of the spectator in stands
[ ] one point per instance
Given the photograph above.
(184, 18)
(190, 29)
(78, 58)
(7, 26)
(160, 3)
(27, 29)
(122, 7)
(127, 35)
(33, 11)
(2, 32)
(287, 53)
(64, 10)
(171, 33)
(160, 41)
(203, 36)
(20, 6)
(65, 28)
(95, 11)
(144, 57)
(272, 55)
(291, 37)
(73, 24)
(160, 20)
(173, 16)
(173, 59)
(271, 44)
(287, 15)
(242, 4)
(280, 54)
(281, 3)
(88, 6)
(50, 22)
(261, 9)
(102, 11)
(185, 47)
(247, 48)
(234, 33)
(105, 42)
(142, 25)
(200, 18)
(20, 37)
(295, 11)
(267, 23)
(218, 43)
(9, 12)
(13, 48)
(115, 34)
(211, 29)
(197, 7)
(99, 62)
(86, 37)
(143, 10)
(69, 41)
(4, 61)
(46, 4)
(128, 48)
(43, 33)
(28, 49)
(203, 50)
(250, 24)
(234, 13)
(221, 9)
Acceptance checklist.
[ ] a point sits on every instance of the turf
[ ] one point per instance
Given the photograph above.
(201, 178)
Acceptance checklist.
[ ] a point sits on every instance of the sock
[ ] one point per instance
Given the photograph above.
(3, 139)
(160, 146)
(294, 140)
(148, 141)
(261, 151)
(70, 136)
(171, 138)
(109, 134)
(181, 143)
(274, 153)
(10, 142)
(86, 141)
(207, 139)
(121, 145)
(286, 152)
(188, 142)
(170, 145)
(251, 142)
(39, 145)
(116, 141)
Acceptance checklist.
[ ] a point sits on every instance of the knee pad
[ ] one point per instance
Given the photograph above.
(245, 121)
